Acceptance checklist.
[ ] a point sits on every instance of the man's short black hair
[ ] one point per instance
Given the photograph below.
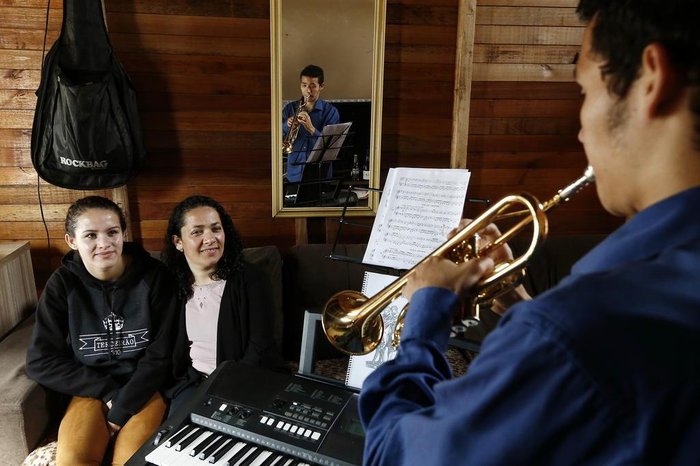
(312, 71)
(623, 28)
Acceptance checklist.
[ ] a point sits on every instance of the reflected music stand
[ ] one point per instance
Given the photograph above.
(330, 142)
(315, 178)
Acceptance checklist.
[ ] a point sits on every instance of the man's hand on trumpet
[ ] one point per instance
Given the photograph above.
(443, 273)
(501, 254)
(305, 121)
(460, 278)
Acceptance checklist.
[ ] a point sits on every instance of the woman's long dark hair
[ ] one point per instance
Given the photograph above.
(228, 265)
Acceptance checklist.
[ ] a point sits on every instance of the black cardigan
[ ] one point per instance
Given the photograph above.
(244, 330)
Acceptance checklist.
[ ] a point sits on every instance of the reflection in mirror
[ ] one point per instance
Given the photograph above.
(327, 71)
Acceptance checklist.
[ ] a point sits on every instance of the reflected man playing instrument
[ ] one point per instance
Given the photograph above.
(308, 122)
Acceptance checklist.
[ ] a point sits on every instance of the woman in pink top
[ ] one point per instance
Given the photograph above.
(226, 310)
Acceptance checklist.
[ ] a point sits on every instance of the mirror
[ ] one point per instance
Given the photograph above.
(313, 174)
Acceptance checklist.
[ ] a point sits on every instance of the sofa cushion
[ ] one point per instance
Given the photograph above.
(42, 456)
(24, 415)
(268, 258)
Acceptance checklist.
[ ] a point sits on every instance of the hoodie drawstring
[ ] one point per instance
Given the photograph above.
(114, 342)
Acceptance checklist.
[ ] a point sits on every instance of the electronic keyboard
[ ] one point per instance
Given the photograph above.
(244, 415)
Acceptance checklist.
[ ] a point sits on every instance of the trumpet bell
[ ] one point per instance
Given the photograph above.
(345, 326)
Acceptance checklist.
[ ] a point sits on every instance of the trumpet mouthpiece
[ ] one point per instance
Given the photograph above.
(587, 178)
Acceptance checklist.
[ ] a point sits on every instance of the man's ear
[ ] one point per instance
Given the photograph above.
(660, 82)
(70, 241)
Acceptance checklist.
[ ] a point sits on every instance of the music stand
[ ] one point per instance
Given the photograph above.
(314, 179)
(329, 143)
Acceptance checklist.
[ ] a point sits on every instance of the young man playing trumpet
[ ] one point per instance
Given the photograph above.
(605, 367)
(308, 122)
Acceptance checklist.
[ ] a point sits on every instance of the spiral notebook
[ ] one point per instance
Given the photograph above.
(360, 366)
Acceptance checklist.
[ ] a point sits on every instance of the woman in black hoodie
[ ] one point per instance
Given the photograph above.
(103, 336)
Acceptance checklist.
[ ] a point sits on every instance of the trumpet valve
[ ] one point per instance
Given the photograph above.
(462, 252)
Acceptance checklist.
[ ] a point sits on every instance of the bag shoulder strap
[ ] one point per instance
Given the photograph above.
(85, 45)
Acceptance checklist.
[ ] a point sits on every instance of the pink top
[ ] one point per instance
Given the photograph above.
(202, 317)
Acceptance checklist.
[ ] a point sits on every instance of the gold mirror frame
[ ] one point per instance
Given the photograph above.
(276, 39)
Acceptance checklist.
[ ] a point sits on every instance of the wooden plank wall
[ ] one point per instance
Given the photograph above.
(524, 110)
(202, 74)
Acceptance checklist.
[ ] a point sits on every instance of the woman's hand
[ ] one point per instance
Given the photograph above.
(111, 427)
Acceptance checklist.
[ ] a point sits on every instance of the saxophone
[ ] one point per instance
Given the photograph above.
(294, 128)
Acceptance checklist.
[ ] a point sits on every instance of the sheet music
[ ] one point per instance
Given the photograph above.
(419, 206)
(359, 367)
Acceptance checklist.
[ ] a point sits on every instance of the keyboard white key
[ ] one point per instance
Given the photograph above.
(172, 453)
(229, 451)
(261, 458)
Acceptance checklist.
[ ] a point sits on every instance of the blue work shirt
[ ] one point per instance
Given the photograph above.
(323, 113)
(602, 369)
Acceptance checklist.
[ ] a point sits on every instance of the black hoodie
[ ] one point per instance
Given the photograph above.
(105, 340)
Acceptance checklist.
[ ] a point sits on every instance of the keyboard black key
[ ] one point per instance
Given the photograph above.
(250, 458)
(179, 435)
(213, 447)
(222, 451)
(271, 459)
(203, 445)
(196, 432)
(284, 461)
(241, 453)
(265, 458)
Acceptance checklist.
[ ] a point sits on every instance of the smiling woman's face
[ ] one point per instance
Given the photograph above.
(99, 239)
(201, 239)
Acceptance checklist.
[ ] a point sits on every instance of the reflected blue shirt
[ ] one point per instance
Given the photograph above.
(323, 113)
(602, 369)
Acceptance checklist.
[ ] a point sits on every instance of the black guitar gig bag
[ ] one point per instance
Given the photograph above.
(86, 132)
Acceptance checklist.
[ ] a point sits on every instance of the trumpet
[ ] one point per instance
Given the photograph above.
(353, 323)
(294, 128)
